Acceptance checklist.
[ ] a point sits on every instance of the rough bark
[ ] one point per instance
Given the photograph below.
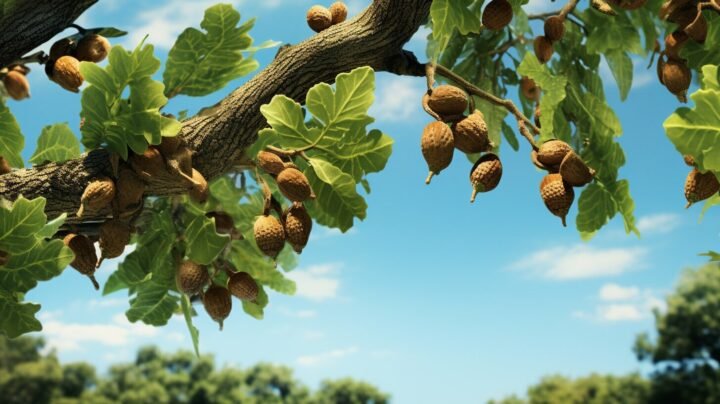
(374, 38)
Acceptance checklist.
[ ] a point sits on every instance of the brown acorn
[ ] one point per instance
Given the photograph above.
(218, 303)
(529, 89)
(628, 4)
(269, 235)
(574, 171)
(319, 18)
(17, 85)
(271, 163)
(179, 164)
(4, 166)
(536, 115)
(339, 12)
(66, 72)
(673, 10)
(199, 193)
(149, 165)
(437, 146)
(697, 29)
(114, 236)
(243, 286)
(447, 101)
(676, 77)
(298, 225)
(700, 186)
(543, 49)
(85, 256)
(92, 48)
(674, 42)
(294, 185)
(470, 135)
(485, 174)
(98, 194)
(169, 145)
(191, 278)
(557, 195)
(554, 28)
(553, 152)
(534, 158)
(224, 224)
(689, 160)
(497, 15)
(129, 193)
(62, 47)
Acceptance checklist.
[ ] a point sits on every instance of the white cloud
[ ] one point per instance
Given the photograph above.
(327, 232)
(318, 282)
(581, 261)
(74, 336)
(326, 357)
(396, 99)
(658, 223)
(612, 291)
(620, 312)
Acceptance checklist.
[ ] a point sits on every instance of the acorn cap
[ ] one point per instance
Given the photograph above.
(574, 171)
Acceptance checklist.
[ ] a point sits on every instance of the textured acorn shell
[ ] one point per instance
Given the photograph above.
(485, 174)
(437, 146)
(199, 193)
(553, 152)
(85, 256)
(269, 162)
(62, 47)
(676, 76)
(689, 160)
(191, 278)
(447, 100)
(129, 191)
(554, 28)
(17, 85)
(4, 166)
(92, 48)
(700, 186)
(298, 225)
(66, 72)
(470, 134)
(529, 89)
(557, 195)
(574, 171)
(338, 11)
(217, 302)
(294, 185)
(269, 235)
(114, 236)
(674, 43)
(543, 48)
(98, 194)
(319, 18)
(497, 15)
(243, 286)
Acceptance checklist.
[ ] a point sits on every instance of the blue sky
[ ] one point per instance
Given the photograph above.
(471, 302)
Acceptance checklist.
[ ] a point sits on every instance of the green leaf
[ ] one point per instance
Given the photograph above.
(338, 110)
(553, 89)
(337, 202)
(17, 318)
(194, 332)
(621, 67)
(12, 140)
(286, 118)
(699, 55)
(256, 308)
(204, 244)
(595, 208)
(510, 137)
(620, 191)
(20, 224)
(44, 261)
(56, 143)
(154, 305)
(201, 63)
(449, 16)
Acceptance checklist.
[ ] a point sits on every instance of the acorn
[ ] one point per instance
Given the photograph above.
(150, 164)
(129, 192)
(243, 286)
(437, 146)
(269, 235)
(536, 115)
(689, 160)
(470, 134)
(676, 77)
(674, 43)
(447, 101)
(17, 85)
(534, 158)
(319, 18)
(269, 162)
(85, 256)
(298, 225)
(557, 195)
(179, 164)
(574, 171)
(529, 89)
(62, 47)
(294, 185)
(700, 186)
(697, 29)
(553, 152)
(339, 12)
(543, 49)
(191, 278)
(224, 224)
(114, 236)
(92, 48)
(200, 192)
(4, 166)
(497, 15)
(217, 303)
(98, 194)
(169, 145)
(554, 28)
(66, 72)
(485, 174)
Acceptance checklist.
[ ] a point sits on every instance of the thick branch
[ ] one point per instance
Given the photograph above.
(219, 138)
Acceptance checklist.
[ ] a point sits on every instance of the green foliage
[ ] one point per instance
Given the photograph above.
(553, 88)
(349, 391)
(699, 55)
(56, 143)
(12, 140)
(448, 17)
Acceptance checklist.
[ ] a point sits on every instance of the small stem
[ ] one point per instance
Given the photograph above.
(79, 28)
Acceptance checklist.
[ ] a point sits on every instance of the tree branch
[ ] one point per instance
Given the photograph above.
(219, 138)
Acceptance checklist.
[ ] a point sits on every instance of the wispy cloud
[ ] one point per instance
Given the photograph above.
(318, 282)
(658, 223)
(297, 313)
(326, 357)
(326, 232)
(613, 291)
(581, 261)
(396, 99)
(627, 303)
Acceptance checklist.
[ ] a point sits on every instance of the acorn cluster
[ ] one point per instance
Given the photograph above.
(699, 185)
(672, 70)
(292, 225)
(554, 30)
(63, 66)
(320, 18)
